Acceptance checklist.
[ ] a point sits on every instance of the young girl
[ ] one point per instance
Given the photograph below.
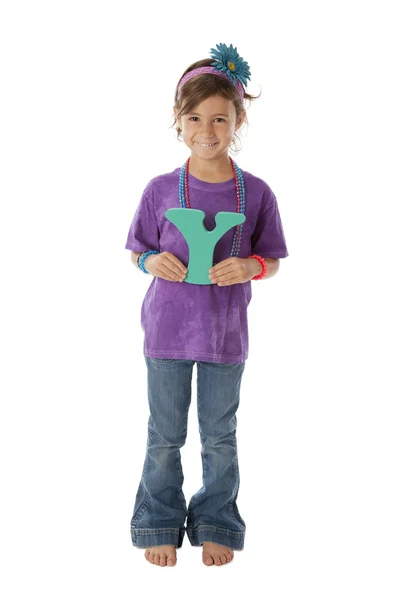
(186, 323)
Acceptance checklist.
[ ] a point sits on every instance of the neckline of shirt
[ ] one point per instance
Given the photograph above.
(208, 185)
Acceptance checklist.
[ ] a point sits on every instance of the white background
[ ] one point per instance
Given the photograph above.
(86, 107)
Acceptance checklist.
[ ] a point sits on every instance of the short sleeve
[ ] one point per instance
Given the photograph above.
(268, 239)
(143, 233)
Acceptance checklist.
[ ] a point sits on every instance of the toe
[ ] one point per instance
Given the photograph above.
(163, 560)
(217, 560)
(171, 561)
(207, 560)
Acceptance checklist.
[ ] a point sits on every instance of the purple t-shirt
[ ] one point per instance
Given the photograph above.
(202, 322)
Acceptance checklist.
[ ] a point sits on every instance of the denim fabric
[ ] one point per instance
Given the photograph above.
(161, 515)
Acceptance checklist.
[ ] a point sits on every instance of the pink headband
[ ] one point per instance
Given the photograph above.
(213, 71)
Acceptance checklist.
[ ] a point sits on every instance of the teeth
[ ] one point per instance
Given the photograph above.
(206, 145)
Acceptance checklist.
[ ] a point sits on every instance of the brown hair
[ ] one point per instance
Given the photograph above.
(203, 86)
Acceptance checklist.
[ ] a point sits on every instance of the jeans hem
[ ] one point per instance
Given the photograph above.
(210, 533)
(144, 538)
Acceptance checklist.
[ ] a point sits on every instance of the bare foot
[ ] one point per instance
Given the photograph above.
(161, 555)
(215, 554)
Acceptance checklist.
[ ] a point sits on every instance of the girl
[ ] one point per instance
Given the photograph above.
(186, 323)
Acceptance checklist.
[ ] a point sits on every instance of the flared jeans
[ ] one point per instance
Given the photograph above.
(160, 513)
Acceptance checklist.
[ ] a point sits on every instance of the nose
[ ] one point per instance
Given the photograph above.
(207, 129)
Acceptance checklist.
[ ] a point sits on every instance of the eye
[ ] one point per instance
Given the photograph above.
(218, 119)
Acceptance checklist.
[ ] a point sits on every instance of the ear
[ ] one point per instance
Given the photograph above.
(240, 119)
(179, 122)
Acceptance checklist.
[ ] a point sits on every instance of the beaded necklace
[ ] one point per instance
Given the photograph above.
(240, 195)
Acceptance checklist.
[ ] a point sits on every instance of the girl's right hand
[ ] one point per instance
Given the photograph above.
(165, 265)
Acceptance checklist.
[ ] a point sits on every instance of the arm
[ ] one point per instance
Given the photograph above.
(273, 266)
(134, 256)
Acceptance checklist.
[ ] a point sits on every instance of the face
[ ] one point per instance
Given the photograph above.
(209, 128)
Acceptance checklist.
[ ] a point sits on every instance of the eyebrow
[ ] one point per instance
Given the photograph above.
(216, 115)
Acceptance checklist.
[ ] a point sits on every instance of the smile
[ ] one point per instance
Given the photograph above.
(206, 145)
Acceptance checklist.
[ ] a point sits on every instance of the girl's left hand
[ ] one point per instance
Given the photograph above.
(234, 270)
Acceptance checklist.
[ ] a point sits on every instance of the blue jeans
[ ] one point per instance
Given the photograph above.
(160, 511)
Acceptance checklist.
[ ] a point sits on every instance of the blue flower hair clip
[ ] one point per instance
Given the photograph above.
(228, 61)
(228, 65)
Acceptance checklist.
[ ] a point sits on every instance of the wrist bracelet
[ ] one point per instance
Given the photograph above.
(264, 265)
(143, 258)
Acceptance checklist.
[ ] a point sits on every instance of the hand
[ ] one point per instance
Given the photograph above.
(165, 265)
(234, 270)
